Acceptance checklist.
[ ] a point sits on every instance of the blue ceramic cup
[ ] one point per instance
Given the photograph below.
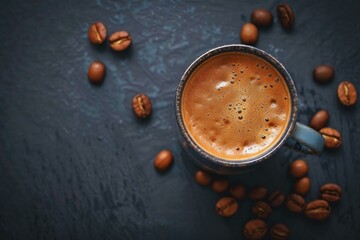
(296, 135)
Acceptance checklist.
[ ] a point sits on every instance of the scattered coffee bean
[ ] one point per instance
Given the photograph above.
(331, 192)
(262, 17)
(202, 178)
(318, 209)
(319, 120)
(323, 73)
(298, 168)
(141, 105)
(261, 209)
(119, 41)
(238, 191)
(96, 72)
(332, 137)
(280, 231)
(286, 15)
(249, 34)
(276, 199)
(258, 193)
(255, 229)
(295, 203)
(302, 186)
(226, 206)
(347, 93)
(220, 185)
(163, 160)
(97, 33)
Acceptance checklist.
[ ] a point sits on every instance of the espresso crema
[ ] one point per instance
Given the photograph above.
(236, 106)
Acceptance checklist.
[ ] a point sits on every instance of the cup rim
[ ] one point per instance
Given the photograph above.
(214, 160)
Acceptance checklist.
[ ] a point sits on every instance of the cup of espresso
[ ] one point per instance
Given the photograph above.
(236, 105)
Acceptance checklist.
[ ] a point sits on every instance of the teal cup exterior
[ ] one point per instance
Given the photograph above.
(296, 135)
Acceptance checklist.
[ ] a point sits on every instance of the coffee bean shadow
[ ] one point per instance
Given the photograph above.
(126, 54)
(289, 30)
(143, 121)
(166, 172)
(266, 29)
(322, 84)
(100, 47)
(348, 111)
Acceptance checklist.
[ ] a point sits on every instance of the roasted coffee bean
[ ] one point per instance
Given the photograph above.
(331, 192)
(286, 15)
(302, 186)
(141, 105)
(96, 72)
(280, 231)
(238, 191)
(226, 206)
(347, 93)
(295, 203)
(298, 168)
(262, 17)
(332, 137)
(261, 209)
(119, 41)
(319, 120)
(323, 73)
(97, 33)
(202, 178)
(258, 193)
(318, 209)
(249, 34)
(220, 185)
(163, 160)
(276, 199)
(255, 229)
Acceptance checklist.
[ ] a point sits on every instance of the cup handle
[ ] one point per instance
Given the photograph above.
(306, 139)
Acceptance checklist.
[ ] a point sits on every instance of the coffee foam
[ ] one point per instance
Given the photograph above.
(236, 106)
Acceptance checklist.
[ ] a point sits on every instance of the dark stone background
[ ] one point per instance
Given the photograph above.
(76, 164)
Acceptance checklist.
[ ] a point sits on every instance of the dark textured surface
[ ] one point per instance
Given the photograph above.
(76, 164)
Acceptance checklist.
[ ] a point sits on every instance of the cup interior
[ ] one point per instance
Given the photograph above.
(207, 158)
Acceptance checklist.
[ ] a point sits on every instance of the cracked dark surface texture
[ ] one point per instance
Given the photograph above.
(75, 163)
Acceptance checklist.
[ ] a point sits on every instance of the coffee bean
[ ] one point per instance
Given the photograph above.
(255, 229)
(298, 168)
(347, 93)
(96, 72)
(323, 73)
(258, 193)
(226, 206)
(295, 203)
(163, 160)
(318, 210)
(249, 34)
(286, 15)
(238, 191)
(202, 178)
(302, 186)
(280, 231)
(141, 105)
(261, 209)
(319, 120)
(262, 17)
(331, 192)
(332, 137)
(220, 185)
(276, 199)
(97, 33)
(119, 41)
